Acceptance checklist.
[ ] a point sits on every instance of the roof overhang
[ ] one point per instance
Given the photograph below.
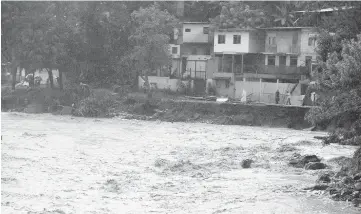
(285, 28)
(221, 78)
(234, 29)
(325, 10)
(280, 54)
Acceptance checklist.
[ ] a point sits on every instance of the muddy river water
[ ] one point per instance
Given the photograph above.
(60, 164)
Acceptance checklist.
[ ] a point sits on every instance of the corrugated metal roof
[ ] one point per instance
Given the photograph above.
(284, 28)
(199, 57)
(196, 23)
(234, 29)
(324, 10)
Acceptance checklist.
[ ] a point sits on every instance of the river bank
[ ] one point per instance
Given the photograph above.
(133, 166)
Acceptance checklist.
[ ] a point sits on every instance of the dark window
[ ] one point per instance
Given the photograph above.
(194, 51)
(271, 60)
(269, 80)
(288, 81)
(272, 40)
(308, 61)
(282, 60)
(236, 39)
(208, 51)
(311, 40)
(174, 50)
(293, 61)
(187, 30)
(221, 39)
(205, 30)
(252, 79)
(227, 83)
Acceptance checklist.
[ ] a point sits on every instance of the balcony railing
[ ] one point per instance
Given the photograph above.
(295, 49)
(271, 69)
(271, 48)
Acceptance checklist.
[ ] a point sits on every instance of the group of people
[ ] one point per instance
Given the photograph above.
(288, 101)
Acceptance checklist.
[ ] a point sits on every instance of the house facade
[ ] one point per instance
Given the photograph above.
(191, 48)
(262, 61)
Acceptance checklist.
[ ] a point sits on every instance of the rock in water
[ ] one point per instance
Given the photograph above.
(315, 166)
(247, 163)
(325, 178)
(301, 161)
(358, 186)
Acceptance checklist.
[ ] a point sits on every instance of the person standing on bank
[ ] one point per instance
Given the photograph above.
(288, 98)
(277, 96)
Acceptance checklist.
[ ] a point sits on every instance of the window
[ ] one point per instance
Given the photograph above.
(236, 39)
(272, 40)
(311, 40)
(308, 61)
(293, 61)
(227, 83)
(271, 60)
(194, 51)
(208, 51)
(205, 30)
(282, 60)
(221, 39)
(269, 80)
(174, 50)
(187, 30)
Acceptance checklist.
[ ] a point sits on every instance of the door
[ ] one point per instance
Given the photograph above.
(199, 87)
(282, 60)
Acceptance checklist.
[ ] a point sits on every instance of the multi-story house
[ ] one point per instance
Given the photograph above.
(190, 48)
(195, 49)
(260, 61)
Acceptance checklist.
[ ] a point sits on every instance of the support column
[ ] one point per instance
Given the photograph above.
(242, 67)
(277, 83)
(234, 78)
(222, 62)
(260, 89)
(232, 63)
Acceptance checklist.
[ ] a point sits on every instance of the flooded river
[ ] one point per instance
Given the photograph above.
(77, 165)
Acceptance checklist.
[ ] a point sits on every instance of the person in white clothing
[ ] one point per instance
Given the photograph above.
(288, 98)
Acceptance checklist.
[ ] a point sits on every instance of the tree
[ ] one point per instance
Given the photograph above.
(239, 15)
(283, 14)
(150, 37)
(342, 76)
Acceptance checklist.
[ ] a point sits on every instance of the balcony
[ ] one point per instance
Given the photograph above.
(271, 48)
(295, 49)
(273, 70)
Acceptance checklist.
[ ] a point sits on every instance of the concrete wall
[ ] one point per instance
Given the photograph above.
(305, 48)
(176, 55)
(196, 35)
(229, 46)
(265, 91)
(200, 49)
(256, 41)
(220, 85)
(162, 82)
(43, 74)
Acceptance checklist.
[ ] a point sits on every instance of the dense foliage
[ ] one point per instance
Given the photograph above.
(342, 76)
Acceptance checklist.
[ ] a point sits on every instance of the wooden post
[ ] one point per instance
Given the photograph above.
(195, 69)
(260, 89)
(234, 80)
(242, 63)
(222, 62)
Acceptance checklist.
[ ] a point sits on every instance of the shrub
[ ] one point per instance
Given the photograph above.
(100, 104)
